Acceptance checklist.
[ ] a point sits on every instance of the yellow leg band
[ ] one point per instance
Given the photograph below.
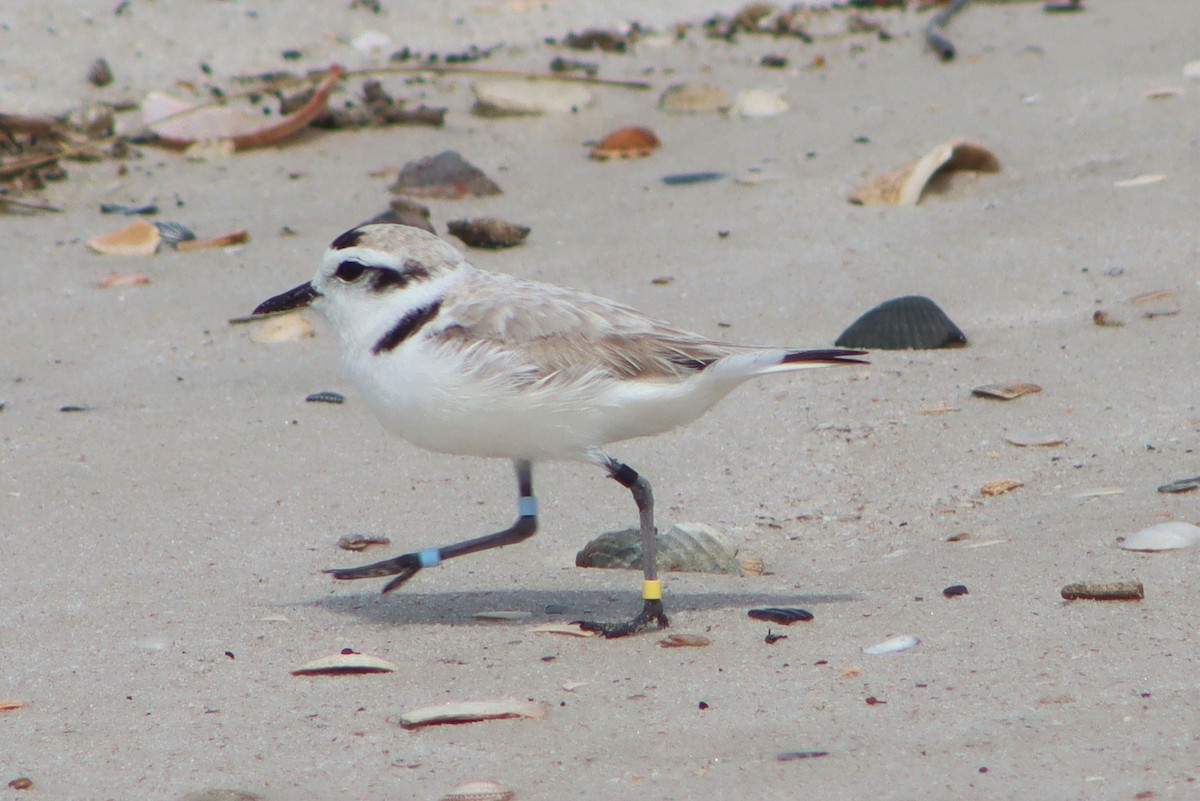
(652, 590)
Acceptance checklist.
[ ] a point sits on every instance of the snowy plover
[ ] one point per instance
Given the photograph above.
(459, 360)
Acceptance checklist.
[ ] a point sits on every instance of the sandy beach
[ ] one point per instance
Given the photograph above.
(163, 545)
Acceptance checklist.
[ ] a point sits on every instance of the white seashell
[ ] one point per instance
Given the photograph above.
(759, 103)
(470, 712)
(345, 663)
(901, 642)
(505, 98)
(1163, 537)
(486, 790)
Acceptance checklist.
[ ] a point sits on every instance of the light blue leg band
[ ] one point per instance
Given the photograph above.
(527, 506)
(429, 557)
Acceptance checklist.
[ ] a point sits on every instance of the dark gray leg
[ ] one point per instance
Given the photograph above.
(652, 608)
(405, 566)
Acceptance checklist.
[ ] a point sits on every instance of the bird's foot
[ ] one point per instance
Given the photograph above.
(652, 612)
(403, 567)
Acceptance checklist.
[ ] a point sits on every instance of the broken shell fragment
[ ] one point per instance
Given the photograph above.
(755, 104)
(238, 237)
(912, 321)
(685, 548)
(179, 124)
(693, 98)
(781, 615)
(447, 176)
(901, 642)
(139, 238)
(480, 791)
(360, 542)
(567, 629)
(1027, 439)
(345, 664)
(1005, 391)
(516, 98)
(471, 712)
(10, 706)
(1163, 537)
(284, 328)
(488, 232)
(625, 143)
(1181, 485)
(994, 488)
(684, 641)
(124, 279)
(906, 186)
(1117, 591)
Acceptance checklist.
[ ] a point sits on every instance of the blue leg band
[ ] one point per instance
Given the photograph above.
(527, 506)
(429, 557)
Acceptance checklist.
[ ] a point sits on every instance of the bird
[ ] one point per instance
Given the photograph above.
(460, 360)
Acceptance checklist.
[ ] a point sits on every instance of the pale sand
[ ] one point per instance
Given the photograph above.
(193, 505)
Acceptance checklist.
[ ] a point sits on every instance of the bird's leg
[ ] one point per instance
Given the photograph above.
(652, 608)
(405, 566)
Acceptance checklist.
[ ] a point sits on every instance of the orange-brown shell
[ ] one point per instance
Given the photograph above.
(624, 143)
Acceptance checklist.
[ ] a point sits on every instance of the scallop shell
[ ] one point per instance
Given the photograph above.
(912, 321)
(486, 790)
(685, 548)
(340, 664)
(139, 238)
(624, 143)
(1163, 537)
(905, 186)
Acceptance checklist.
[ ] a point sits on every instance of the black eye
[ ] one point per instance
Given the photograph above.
(349, 271)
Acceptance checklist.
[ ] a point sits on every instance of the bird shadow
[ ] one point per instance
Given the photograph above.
(544, 606)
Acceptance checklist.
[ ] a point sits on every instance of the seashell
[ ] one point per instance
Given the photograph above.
(1163, 93)
(447, 176)
(517, 98)
(911, 321)
(1163, 537)
(906, 186)
(173, 233)
(1098, 492)
(504, 614)
(751, 565)
(100, 74)
(238, 237)
(568, 629)
(488, 232)
(1139, 180)
(404, 211)
(325, 397)
(994, 488)
(1117, 591)
(684, 641)
(340, 664)
(284, 328)
(1181, 485)
(782, 615)
(693, 98)
(685, 548)
(955, 590)
(687, 178)
(9, 706)
(360, 542)
(139, 238)
(221, 794)
(471, 712)
(129, 211)
(1025, 439)
(901, 642)
(179, 124)
(624, 143)
(1005, 391)
(755, 104)
(124, 279)
(480, 791)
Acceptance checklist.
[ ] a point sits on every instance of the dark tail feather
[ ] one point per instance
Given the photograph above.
(831, 356)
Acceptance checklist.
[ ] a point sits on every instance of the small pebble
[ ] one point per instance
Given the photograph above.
(121, 208)
(955, 590)
(687, 178)
(100, 74)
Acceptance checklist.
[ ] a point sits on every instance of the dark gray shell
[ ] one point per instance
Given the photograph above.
(912, 321)
(685, 548)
